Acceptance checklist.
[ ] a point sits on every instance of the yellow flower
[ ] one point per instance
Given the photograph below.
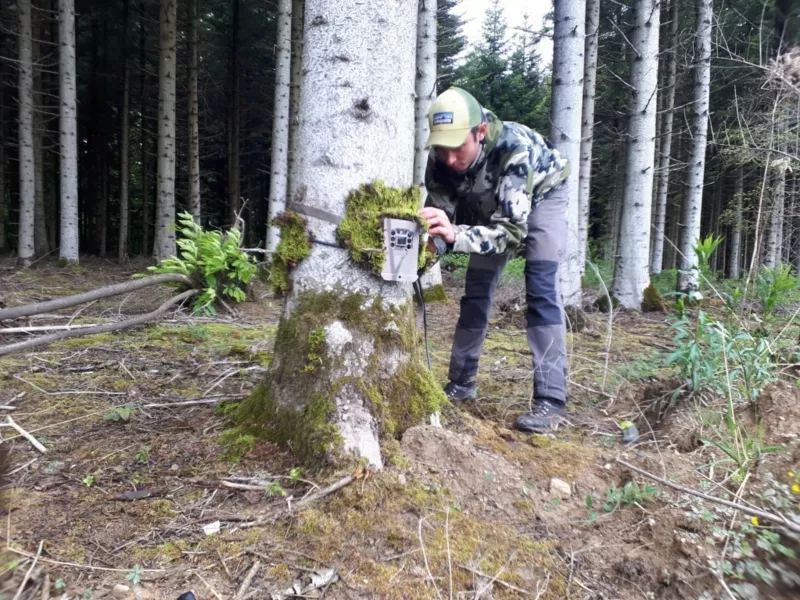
(796, 488)
(791, 474)
(754, 520)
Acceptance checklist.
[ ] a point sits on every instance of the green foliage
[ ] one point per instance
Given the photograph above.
(450, 42)
(120, 413)
(775, 286)
(135, 576)
(316, 343)
(294, 246)
(744, 449)
(630, 493)
(88, 481)
(652, 300)
(213, 260)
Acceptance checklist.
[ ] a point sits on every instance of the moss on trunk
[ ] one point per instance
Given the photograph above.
(337, 352)
(294, 246)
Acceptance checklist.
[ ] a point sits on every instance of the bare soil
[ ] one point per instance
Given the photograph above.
(134, 471)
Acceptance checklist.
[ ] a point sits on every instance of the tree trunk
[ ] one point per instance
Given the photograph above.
(774, 244)
(27, 172)
(2, 168)
(734, 270)
(688, 276)
(366, 379)
(124, 226)
(587, 127)
(39, 216)
(631, 272)
(279, 177)
(425, 93)
(298, 20)
(165, 209)
(143, 104)
(665, 143)
(234, 183)
(565, 116)
(194, 116)
(68, 135)
(795, 223)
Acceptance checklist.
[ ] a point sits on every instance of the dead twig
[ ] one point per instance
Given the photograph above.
(425, 557)
(505, 584)
(777, 519)
(30, 570)
(248, 580)
(34, 442)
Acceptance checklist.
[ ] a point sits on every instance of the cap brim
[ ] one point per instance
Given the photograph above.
(452, 138)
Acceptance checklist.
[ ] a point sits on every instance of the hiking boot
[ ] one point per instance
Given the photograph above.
(546, 414)
(459, 392)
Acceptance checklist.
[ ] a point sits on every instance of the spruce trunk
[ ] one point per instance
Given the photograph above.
(27, 171)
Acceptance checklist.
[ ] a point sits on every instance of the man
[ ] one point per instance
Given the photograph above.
(492, 187)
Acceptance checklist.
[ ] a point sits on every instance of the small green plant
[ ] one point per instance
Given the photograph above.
(316, 340)
(775, 285)
(120, 413)
(60, 585)
(630, 493)
(88, 481)
(214, 260)
(87, 594)
(135, 576)
(275, 489)
(143, 455)
(703, 250)
(295, 473)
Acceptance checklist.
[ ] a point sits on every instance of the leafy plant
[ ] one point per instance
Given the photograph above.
(60, 585)
(143, 455)
(214, 260)
(630, 493)
(119, 413)
(135, 576)
(88, 481)
(773, 286)
(275, 489)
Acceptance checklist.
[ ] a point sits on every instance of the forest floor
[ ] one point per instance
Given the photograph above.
(136, 496)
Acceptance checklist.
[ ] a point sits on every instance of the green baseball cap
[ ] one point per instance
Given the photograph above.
(452, 115)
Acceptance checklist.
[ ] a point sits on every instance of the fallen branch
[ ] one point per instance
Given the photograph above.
(34, 442)
(40, 328)
(248, 580)
(16, 312)
(137, 320)
(500, 581)
(777, 519)
(334, 487)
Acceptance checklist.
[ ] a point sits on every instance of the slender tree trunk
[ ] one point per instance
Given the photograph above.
(143, 104)
(234, 180)
(342, 406)
(795, 223)
(165, 209)
(124, 224)
(587, 127)
(565, 116)
(194, 120)
(68, 135)
(279, 177)
(688, 276)
(27, 171)
(665, 143)
(39, 217)
(631, 271)
(2, 166)
(298, 19)
(734, 270)
(774, 244)
(425, 93)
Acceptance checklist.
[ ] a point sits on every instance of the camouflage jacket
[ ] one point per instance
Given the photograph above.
(489, 203)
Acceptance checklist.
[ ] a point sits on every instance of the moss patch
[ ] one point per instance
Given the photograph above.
(652, 300)
(294, 246)
(435, 293)
(361, 230)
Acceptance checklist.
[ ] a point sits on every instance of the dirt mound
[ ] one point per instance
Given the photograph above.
(779, 409)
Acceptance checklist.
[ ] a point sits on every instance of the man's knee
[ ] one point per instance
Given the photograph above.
(541, 293)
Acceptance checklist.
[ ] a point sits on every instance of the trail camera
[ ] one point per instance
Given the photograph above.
(401, 249)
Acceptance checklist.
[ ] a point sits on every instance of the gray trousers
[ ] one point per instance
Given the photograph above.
(545, 246)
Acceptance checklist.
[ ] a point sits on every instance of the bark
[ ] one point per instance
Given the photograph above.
(587, 127)
(425, 93)
(39, 215)
(631, 271)
(234, 183)
(774, 243)
(347, 136)
(298, 20)
(143, 104)
(565, 116)
(165, 210)
(734, 269)
(16, 312)
(279, 177)
(688, 276)
(107, 327)
(27, 172)
(68, 134)
(2, 173)
(795, 221)
(194, 121)
(124, 227)
(101, 155)
(665, 144)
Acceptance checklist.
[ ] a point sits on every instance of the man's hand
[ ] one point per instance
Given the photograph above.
(438, 223)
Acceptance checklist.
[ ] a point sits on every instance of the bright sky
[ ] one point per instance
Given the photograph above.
(474, 11)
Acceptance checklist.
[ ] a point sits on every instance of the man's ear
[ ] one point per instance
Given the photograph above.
(481, 131)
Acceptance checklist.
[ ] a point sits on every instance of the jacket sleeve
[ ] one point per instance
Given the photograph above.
(508, 226)
(439, 194)
(552, 168)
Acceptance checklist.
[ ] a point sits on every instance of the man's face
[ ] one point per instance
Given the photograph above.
(459, 159)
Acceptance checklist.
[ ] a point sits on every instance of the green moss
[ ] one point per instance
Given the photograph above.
(294, 246)
(316, 342)
(361, 230)
(652, 300)
(436, 293)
